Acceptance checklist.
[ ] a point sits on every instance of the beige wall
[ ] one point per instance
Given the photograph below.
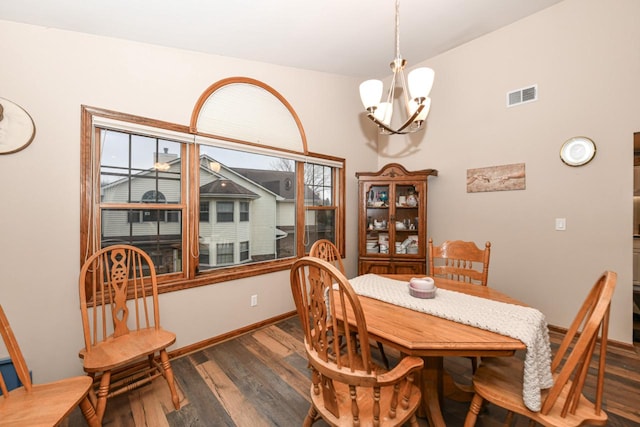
(51, 74)
(585, 57)
(583, 54)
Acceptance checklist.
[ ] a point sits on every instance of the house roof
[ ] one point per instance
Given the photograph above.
(226, 188)
(281, 183)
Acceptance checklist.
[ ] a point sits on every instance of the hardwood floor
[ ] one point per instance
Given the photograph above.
(261, 379)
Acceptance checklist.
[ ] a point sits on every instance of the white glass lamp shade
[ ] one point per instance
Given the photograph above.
(384, 112)
(413, 105)
(421, 82)
(370, 93)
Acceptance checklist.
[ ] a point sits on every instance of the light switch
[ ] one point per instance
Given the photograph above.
(561, 224)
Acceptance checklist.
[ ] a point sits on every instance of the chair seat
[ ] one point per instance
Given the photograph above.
(365, 402)
(499, 380)
(27, 408)
(125, 349)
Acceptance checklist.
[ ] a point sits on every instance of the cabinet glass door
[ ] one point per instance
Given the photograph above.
(378, 219)
(406, 220)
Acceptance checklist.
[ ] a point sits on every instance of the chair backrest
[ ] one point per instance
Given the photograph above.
(460, 261)
(326, 250)
(325, 302)
(118, 293)
(577, 348)
(15, 354)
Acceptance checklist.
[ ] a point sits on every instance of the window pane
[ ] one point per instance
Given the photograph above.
(132, 165)
(244, 251)
(244, 211)
(320, 224)
(262, 190)
(204, 211)
(224, 253)
(161, 239)
(319, 185)
(224, 211)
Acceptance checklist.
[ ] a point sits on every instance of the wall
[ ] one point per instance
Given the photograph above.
(583, 54)
(585, 57)
(51, 73)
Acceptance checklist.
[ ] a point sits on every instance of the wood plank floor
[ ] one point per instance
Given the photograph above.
(261, 379)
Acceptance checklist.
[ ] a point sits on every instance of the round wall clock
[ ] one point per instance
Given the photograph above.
(578, 151)
(17, 129)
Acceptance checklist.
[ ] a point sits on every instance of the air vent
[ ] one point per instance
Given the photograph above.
(522, 96)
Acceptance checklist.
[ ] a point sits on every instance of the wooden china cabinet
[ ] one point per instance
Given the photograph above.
(392, 220)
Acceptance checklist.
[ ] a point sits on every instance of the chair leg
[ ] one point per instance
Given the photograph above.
(474, 409)
(384, 356)
(93, 399)
(168, 374)
(311, 417)
(508, 420)
(103, 391)
(89, 412)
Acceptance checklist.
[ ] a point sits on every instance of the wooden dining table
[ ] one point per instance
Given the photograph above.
(432, 338)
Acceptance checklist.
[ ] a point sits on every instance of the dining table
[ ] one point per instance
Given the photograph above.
(415, 333)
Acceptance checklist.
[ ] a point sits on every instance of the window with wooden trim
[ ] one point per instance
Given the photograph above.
(147, 183)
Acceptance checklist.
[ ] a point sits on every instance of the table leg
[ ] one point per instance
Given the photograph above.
(456, 391)
(432, 390)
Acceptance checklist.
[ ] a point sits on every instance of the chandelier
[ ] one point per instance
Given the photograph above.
(417, 107)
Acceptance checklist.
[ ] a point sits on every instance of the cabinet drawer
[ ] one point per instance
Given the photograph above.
(385, 267)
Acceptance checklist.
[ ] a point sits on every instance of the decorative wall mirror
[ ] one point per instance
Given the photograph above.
(17, 129)
(577, 151)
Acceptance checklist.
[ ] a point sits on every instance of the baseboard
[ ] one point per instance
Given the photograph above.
(229, 335)
(612, 343)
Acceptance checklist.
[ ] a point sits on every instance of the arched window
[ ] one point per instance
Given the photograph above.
(153, 196)
(244, 147)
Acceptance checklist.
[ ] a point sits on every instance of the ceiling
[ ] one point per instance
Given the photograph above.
(348, 37)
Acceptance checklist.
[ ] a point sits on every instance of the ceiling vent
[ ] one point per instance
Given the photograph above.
(522, 96)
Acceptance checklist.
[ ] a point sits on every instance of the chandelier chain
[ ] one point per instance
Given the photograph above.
(397, 29)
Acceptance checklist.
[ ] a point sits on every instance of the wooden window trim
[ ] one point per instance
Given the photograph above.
(188, 278)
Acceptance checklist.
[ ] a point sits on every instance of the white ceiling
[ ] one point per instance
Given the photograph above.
(349, 37)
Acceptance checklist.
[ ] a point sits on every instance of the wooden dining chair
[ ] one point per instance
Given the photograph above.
(499, 380)
(40, 404)
(460, 261)
(121, 323)
(326, 250)
(347, 387)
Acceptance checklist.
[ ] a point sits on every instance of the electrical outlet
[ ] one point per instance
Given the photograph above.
(254, 300)
(561, 224)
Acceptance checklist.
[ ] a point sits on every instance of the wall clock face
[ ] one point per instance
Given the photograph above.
(17, 129)
(578, 151)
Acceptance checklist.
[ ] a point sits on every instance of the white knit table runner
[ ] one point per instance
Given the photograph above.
(523, 323)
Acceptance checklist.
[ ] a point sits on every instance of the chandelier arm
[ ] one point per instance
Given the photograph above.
(400, 130)
(411, 119)
(405, 92)
(392, 89)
